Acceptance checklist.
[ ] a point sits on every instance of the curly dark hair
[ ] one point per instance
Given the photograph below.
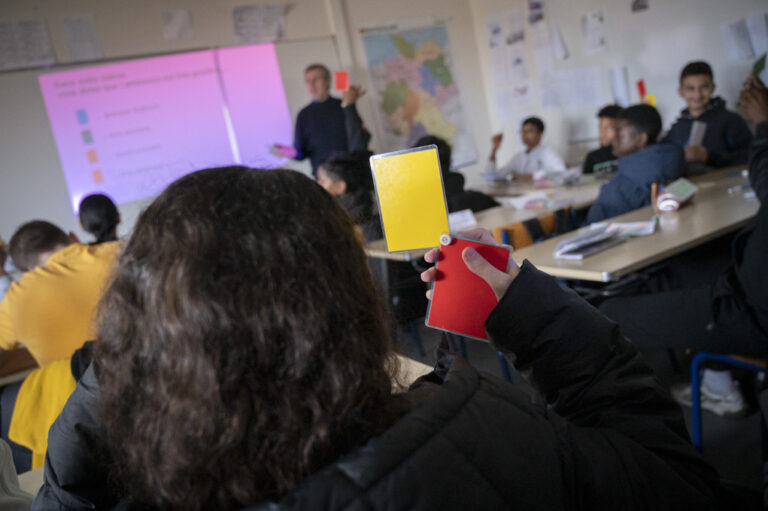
(242, 343)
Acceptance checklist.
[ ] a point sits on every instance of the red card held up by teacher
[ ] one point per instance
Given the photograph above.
(462, 301)
(342, 80)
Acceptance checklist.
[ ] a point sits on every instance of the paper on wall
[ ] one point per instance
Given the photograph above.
(639, 5)
(559, 49)
(738, 45)
(542, 48)
(535, 11)
(259, 23)
(593, 32)
(177, 24)
(573, 88)
(25, 43)
(80, 34)
(620, 86)
(494, 33)
(757, 26)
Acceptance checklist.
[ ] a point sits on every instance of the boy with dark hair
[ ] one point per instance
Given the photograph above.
(52, 308)
(458, 198)
(536, 156)
(726, 137)
(725, 314)
(642, 162)
(606, 119)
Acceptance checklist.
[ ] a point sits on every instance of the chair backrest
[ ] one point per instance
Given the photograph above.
(523, 234)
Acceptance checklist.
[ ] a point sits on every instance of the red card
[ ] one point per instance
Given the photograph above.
(342, 80)
(462, 301)
(641, 89)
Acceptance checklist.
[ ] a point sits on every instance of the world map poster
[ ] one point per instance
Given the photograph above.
(415, 90)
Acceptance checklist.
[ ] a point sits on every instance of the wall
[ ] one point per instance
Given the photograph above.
(31, 182)
(652, 44)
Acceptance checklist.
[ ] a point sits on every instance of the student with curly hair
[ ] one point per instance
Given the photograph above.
(245, 360)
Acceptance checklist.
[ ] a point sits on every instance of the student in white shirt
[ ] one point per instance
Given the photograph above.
(535, 158)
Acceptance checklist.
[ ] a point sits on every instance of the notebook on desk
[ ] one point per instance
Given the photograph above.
(590, 242)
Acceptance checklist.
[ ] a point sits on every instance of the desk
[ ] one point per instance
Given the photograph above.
(713, 212)
(580, 196)
(409, 371)
(31, 481)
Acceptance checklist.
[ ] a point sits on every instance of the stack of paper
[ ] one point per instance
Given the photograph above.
(590, 242)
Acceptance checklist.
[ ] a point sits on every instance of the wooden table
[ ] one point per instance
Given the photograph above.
(713, 212)
(31, 481)
(578, 196)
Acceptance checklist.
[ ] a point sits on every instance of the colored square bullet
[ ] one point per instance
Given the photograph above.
(87, 137)
(97, 176)
(92, 156)
(82, 116)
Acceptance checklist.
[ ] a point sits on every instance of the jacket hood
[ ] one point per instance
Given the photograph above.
(715, 104)
(656, 162)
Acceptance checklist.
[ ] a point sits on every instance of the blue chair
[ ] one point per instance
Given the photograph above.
(696, 387)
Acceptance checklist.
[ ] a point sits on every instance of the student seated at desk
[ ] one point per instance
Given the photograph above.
(99, 217)
(727, 136)
(607, 118)
(245, 360)
(52, 308)
(458, 198)
(347, 177)
(536, 156)
(642, 162)
(728, 314)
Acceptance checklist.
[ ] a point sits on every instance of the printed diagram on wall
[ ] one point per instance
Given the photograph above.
(415, 90)
(509, 71)
(593, 33)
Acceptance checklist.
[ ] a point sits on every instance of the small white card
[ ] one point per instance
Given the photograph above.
(461, 220)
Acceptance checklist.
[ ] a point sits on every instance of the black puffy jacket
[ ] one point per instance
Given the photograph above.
(611, 438)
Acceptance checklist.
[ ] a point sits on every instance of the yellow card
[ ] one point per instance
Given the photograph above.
(409, 189)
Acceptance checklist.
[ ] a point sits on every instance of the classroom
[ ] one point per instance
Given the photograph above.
(438, 254)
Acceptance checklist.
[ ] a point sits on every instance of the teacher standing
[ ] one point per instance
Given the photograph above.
(327, 125)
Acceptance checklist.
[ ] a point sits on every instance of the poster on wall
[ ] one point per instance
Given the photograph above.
(415, 90)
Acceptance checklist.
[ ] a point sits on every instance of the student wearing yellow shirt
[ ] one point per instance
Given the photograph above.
(52, 308)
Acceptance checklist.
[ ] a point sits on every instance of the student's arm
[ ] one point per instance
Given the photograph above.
(625, 437)
(77, 462)
(738, 138)
(299, 139)
(758, 163)
(8, 335)
(753, 101)
(358, 137)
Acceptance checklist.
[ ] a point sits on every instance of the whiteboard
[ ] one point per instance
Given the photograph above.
(32, 185)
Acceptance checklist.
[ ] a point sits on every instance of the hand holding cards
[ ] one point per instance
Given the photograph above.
(412, 207)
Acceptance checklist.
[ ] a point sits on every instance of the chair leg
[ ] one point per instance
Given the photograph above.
(504, 366)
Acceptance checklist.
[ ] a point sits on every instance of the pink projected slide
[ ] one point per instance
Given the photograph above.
(253, 88)
(129, 129)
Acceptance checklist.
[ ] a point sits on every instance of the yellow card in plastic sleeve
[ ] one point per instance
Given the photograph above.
(409, 189)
